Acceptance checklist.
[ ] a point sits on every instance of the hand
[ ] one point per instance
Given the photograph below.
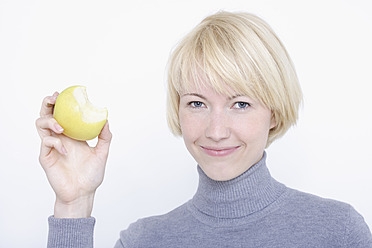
(73, 168)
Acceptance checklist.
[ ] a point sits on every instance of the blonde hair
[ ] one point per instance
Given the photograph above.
(237, 51)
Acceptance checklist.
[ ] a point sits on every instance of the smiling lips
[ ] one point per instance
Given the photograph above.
(219, 151)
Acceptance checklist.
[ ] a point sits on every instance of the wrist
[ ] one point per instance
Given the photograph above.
(79, 208)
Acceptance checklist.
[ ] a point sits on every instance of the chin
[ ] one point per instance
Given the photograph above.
(220, 174)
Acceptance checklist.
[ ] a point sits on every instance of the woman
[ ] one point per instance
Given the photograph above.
(232, 90)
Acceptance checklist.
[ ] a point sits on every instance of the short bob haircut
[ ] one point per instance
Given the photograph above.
(238, 52)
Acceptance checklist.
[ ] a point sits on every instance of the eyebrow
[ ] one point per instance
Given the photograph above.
(235, 96)
(203, 97)
(194, 94)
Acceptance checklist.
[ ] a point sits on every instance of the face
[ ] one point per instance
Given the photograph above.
(225, 135)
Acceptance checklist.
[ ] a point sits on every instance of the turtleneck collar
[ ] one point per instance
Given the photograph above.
(220, 201)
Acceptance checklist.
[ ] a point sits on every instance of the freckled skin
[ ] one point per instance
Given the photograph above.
(225, 135)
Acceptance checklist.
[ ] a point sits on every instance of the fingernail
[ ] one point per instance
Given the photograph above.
(58, 128)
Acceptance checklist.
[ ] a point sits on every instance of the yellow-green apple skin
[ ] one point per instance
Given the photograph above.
(77, 116)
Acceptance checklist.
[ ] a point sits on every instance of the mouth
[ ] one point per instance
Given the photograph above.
(219, 151)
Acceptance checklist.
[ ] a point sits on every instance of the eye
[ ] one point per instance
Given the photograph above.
(241, 105)
(196, 104)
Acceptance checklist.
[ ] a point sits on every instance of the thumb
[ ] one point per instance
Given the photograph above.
(104, 140)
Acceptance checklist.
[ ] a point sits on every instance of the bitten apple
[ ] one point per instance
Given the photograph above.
(76, 114)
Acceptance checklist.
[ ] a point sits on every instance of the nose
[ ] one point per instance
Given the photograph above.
(218, 126)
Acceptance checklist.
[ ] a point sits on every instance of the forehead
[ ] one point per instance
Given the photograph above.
(201, 83)
(207, 90)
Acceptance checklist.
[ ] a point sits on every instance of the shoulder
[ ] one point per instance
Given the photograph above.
(304, 205)
(312, 204)
(334, 218)
(147, 231)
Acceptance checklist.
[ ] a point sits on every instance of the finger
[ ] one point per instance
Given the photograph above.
(104, 140)
(49, 143)
(48, 105)
(45, 125)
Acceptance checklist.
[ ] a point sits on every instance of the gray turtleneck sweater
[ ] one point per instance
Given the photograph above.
(252, 210)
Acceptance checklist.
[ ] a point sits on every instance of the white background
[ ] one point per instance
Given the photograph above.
(119, 50)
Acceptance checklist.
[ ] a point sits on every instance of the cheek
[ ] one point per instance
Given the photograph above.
(252, 130)
(191, 132)
(193, 127)
(189, 126)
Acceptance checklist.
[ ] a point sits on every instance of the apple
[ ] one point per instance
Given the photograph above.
(77, 116)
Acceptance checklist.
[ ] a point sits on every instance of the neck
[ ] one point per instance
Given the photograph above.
(242, 196)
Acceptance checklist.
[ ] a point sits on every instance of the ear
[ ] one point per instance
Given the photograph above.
(273, 122)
